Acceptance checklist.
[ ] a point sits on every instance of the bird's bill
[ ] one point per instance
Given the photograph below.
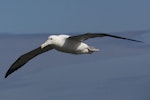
(44, 44)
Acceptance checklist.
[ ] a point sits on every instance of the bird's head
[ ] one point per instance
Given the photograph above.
(55, 40)
(51, 39)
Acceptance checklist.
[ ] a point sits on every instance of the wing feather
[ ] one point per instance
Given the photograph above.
(23, 59)
(93, 35)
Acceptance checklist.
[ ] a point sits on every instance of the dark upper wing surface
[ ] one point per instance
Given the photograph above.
(93, 35)
(25, 58)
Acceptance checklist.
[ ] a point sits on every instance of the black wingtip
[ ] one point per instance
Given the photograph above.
(11, 70)
(138, 41)
(123, 38)
(8, 73)
(6, 76)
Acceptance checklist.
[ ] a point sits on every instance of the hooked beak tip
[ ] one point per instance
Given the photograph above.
(43, 45)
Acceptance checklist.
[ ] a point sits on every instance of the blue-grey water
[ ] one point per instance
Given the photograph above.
(120, 71)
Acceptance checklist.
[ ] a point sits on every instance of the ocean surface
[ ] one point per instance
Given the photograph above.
(120, 71)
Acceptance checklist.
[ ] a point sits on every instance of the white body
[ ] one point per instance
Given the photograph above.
(62, 43)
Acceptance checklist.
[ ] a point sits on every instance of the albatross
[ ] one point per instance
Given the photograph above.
(63, 43)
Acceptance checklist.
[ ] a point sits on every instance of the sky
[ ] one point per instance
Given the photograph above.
(65, 16)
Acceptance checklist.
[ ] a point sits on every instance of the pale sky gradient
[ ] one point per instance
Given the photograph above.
(64, 16)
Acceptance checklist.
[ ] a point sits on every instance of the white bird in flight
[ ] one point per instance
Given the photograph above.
(63, 43)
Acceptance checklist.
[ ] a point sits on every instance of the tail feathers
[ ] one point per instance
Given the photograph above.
(92, 49)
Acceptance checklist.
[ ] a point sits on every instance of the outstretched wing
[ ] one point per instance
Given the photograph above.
(25, 58)
(93, 35)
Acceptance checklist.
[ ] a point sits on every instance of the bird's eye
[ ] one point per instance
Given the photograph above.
(51, 38)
